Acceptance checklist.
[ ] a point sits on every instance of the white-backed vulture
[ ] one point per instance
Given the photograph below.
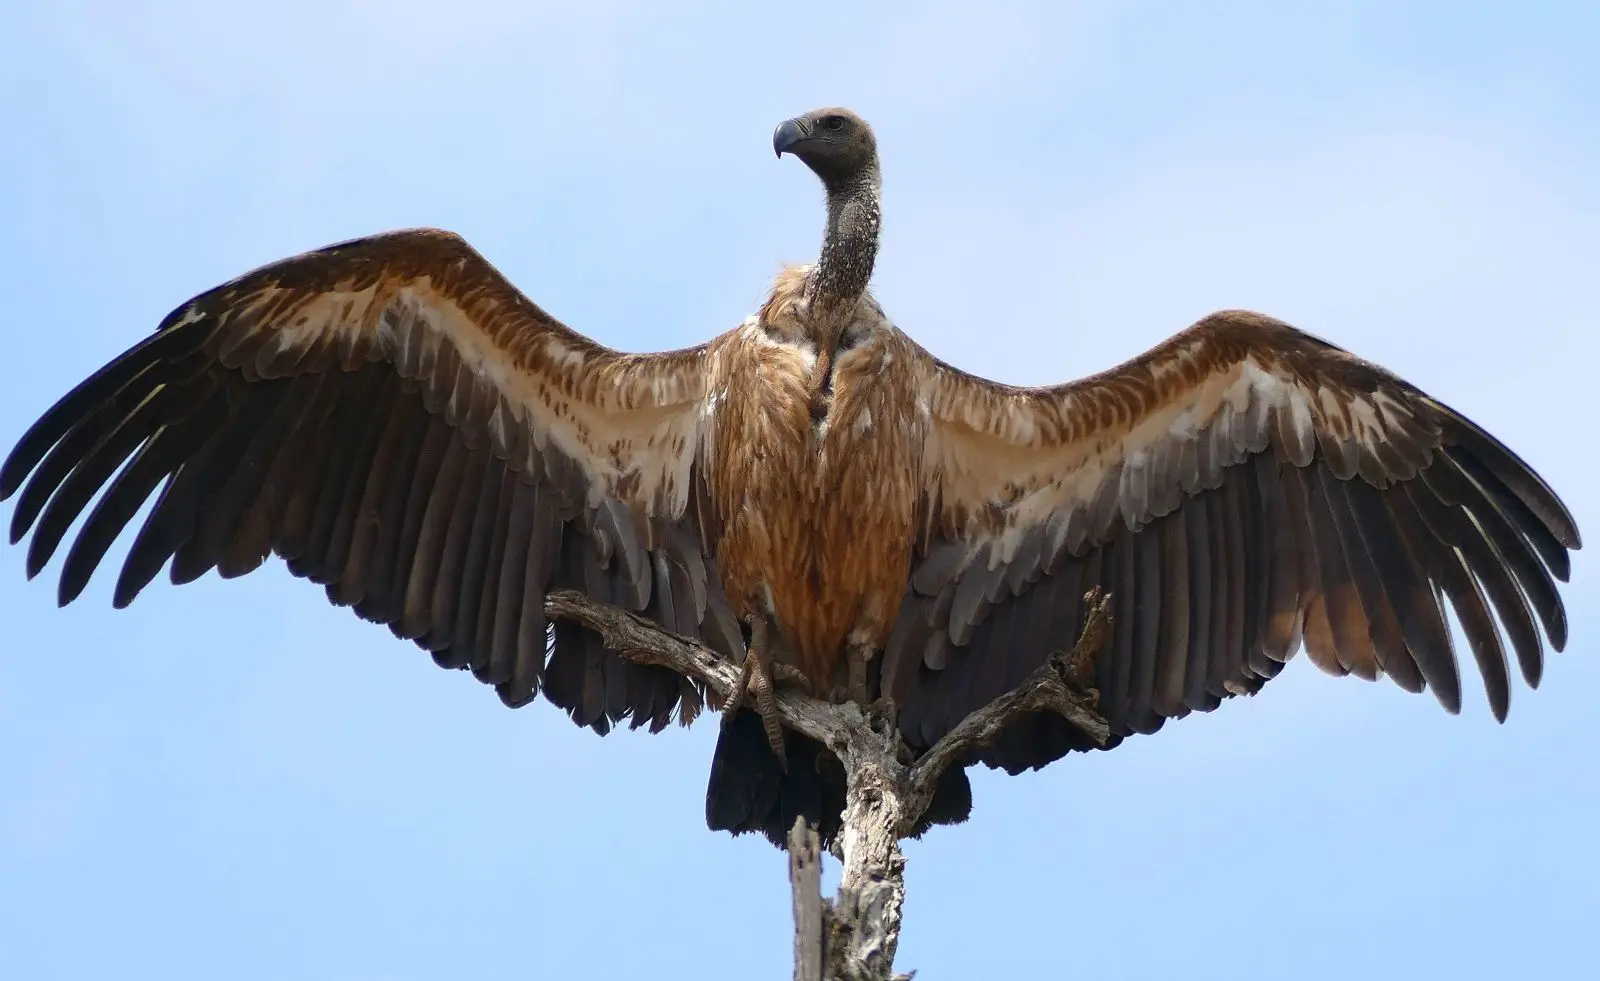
(811, 494)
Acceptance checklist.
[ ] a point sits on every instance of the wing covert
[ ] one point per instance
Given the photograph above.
(1242, 490)
(403, 426)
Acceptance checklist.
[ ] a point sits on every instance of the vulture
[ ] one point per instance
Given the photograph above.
(811, 494)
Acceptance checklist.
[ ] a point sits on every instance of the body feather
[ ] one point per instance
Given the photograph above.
(401, 425)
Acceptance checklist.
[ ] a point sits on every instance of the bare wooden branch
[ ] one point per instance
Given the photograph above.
(1059, 685)
(864, 921)
(855, 936)
(805, 882)
(642, 642)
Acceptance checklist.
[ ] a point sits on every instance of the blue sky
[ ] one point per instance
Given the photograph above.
(235, 780)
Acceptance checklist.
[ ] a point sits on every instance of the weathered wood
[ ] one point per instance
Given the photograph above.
(856, 935)
(805, 883)
(642, 642)
(864, 922)
(1060, 685)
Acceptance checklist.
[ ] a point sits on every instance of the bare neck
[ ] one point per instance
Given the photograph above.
(849, 247)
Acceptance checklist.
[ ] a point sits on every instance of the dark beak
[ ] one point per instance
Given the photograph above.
(788, 133)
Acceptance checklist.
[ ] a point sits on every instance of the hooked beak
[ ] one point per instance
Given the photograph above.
(788, 133)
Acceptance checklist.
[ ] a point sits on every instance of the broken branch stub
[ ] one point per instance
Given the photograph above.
(855, 936)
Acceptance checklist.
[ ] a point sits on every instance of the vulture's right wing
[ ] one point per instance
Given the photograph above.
(397, 421)
(1239, 490)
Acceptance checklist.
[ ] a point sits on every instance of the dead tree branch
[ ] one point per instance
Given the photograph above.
(854, 936)
(642, 642)
(805, 880)
(1060, 685)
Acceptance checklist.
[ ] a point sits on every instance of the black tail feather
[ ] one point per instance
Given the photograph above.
(749, 791)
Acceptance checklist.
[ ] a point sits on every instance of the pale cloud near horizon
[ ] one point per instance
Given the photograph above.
(1067, 186)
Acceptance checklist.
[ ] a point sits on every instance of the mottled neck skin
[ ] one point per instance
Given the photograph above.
(849, 246)
(840, 277)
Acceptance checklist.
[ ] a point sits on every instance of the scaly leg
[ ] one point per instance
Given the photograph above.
(757, 676)
(880, 713)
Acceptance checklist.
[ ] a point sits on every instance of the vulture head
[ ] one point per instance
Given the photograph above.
(835, 143)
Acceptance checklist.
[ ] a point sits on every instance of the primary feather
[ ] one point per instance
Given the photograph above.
(401, 425)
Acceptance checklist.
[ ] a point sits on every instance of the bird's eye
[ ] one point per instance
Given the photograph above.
(834, 123)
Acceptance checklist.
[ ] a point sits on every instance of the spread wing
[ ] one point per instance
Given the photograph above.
(1240, 490)
(401, 425)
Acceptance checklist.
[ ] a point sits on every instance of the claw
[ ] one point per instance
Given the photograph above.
(736, 694)
(756, 676)
(857, 658)
(880, 711)
(790, 675)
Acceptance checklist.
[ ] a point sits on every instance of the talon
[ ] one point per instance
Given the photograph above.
(756, 677)
(736, 695)
(790, 675)
(767, 704)
(857, 659)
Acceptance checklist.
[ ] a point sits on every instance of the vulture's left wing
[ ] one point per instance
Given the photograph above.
(403, 426)
(1237, 490)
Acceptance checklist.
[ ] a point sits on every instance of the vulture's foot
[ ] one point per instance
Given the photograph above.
(758, 677)
(857, 657)
(788, 674)
(879, 712)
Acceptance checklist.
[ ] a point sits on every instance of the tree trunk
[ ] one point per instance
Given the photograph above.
(854, 936)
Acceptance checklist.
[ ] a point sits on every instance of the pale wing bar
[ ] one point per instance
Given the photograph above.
(329, 410)
(1271, 492)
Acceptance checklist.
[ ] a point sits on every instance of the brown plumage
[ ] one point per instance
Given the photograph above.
(809, 512)
(811, 494)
